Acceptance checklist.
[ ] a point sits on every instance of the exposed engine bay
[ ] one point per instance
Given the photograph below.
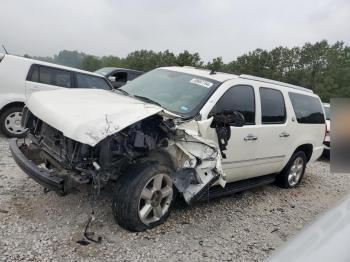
(195, 160)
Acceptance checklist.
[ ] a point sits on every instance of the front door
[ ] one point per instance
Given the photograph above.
(244, 141)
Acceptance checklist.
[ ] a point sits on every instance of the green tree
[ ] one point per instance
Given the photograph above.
(187, 59)
(216, 64)
(90, 63)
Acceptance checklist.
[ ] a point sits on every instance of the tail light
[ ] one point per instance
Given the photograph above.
(325, 133)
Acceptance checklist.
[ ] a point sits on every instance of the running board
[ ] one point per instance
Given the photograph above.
(234, 187)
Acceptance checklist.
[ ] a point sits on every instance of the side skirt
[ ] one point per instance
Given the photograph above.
(234, 187)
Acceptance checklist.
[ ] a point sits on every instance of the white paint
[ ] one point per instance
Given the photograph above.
(13, 75)
(247, 159)
(88, 115)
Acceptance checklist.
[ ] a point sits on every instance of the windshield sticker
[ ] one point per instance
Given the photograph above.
(201, 82)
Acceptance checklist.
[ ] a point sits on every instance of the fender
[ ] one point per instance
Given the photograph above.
(11, 98)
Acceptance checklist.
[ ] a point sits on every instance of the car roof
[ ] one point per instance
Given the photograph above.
(38, 62)
(221, 77)
(218, 76)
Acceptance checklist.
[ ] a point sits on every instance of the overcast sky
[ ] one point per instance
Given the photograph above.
(226, 28)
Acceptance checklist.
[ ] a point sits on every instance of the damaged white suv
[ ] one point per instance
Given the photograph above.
(173, 132)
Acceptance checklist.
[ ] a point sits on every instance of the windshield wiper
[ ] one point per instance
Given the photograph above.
(122, 91)
(146, 99)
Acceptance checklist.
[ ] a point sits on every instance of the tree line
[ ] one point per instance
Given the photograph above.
(322, 67)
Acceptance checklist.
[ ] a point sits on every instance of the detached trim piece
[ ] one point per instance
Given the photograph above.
(43, 178)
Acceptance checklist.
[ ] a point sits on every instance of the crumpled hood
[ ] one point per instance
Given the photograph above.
(88, 115)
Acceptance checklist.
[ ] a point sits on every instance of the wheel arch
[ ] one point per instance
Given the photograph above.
(161, 156)
(11, 104)
(307, 149)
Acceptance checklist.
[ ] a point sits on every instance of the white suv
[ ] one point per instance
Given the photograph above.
(20, 77)
(175, 131)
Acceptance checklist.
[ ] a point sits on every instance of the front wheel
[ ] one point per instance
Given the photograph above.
(144, 197)
(293, 172)
(10, 122)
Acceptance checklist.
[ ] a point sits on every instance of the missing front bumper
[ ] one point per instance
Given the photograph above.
(42, 177)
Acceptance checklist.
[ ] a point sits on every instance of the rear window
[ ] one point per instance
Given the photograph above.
(308, 109)
(273, 110)
(88, 81)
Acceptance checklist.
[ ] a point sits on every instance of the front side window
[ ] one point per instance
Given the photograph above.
(56, 77)
(273, 110)
(121, 77)
(88, 81)
(178, 92)
(238, 98)
(308, 109)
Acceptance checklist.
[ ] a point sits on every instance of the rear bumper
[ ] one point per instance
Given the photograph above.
(327, 142)
(316, 154)
(43, 178)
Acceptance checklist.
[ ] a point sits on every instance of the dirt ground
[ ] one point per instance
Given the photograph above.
(249, 226)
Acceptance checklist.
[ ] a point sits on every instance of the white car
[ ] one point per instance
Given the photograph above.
(175, 131)
(327, 140)
(20, 77)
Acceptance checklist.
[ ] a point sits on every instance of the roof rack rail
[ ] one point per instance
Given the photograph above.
(265, 80)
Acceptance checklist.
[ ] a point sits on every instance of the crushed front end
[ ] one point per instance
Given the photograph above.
(60, 163)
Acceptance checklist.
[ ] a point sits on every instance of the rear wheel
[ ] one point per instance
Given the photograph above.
(10, 122)
(293, 172)
(144, 197)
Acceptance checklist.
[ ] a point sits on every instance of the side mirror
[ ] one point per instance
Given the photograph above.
(111, 78)
(229, 117)
(238, 119)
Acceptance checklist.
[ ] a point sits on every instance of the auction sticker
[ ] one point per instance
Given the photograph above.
(201, 82)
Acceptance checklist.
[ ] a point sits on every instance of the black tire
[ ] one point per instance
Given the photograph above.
(282, 178)
(127, 195)
(7, 112)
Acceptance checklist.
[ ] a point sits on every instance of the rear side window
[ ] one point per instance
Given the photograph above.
(238, 98)
(50, 76)
(308, 109)
(88, 81)
(273, 110)
(33, 74)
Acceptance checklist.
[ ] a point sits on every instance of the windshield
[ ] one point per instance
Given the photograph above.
(328, 113)
(104, 71)
(178, 92)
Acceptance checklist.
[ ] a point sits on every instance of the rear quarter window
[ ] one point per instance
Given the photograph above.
(308, 109)
(33, 74)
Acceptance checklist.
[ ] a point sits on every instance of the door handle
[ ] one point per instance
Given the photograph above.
(284, 134)
(250, 137)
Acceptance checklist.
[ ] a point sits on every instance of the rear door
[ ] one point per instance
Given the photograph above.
(41, 78)
(275, 135)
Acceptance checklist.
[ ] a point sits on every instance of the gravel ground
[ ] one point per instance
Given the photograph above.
(40, 226)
